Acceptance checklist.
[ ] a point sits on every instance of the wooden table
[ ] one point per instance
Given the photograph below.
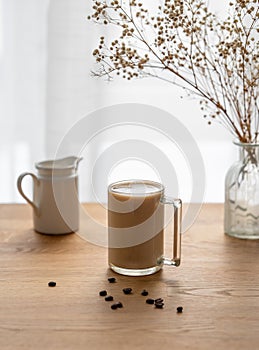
(217, 284)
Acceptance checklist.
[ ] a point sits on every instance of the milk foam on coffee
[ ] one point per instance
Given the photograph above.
(136, 189)
(135, 211)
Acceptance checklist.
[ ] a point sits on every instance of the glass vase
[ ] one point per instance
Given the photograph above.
(242, 194)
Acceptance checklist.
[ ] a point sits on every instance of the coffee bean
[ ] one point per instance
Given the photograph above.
(114, 306)
(179, 309)
(112, 279)
(144, 292)
(109, 298)
(150, 301)
(159, 305)
(119, 304)
(102, 293)
(127, 290)
(159, 300)
(52, 284)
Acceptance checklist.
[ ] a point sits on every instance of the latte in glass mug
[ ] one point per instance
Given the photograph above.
(136, 227)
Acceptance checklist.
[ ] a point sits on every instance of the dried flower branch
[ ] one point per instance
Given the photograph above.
(186, 44)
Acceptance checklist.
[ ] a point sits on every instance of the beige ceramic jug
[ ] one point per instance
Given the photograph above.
(55, 200)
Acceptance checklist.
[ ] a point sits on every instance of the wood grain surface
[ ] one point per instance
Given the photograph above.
(217, 284)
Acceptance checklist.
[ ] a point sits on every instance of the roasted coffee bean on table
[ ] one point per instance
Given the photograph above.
(103, 293)
(52, 284)
(144, 292)
(150, 301)
(127, 290)
(159, 300)
(112, 279)
(119, 304)
(179, 309)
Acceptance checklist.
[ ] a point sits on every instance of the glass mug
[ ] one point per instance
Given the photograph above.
(136, 227)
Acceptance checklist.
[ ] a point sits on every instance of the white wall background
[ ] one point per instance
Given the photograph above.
(46, 87)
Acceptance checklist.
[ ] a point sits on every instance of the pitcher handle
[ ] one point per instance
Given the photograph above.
(177, 204)
(19, 186)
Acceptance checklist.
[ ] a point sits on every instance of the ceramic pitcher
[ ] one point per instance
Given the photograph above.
(55, 200)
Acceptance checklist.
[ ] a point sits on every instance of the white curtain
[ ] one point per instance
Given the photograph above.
(46, 87)
(23, 33)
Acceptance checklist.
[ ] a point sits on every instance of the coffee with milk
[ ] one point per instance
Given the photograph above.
(136, 227)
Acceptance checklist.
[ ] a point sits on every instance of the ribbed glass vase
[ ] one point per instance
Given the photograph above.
(242, 194)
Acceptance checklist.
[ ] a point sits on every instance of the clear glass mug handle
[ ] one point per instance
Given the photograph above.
(177, 230)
